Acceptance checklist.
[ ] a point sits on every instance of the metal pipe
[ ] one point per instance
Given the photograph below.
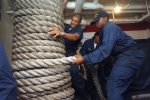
(133, 7)
(147, 15)
(95, 1)
(147, 6)
(144, 17)
(113, 15)
(79, 6)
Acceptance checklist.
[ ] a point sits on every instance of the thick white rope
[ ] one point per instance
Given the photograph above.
(39, 63)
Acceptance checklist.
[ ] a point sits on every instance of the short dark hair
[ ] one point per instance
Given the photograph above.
(79, 15)
(98, 33)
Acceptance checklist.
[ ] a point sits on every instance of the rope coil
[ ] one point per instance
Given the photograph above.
(39, 63)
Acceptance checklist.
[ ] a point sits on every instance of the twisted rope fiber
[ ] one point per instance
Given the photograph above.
(35, 18)
(31, 4)
(38, 42)
(38, 48)
(25, 12)
(34, 36)
(43, 79)
(39, 63)
(32, 29)
(35, 55)
(29, 21)
(36, 73)
(61, 95)
(44, 87)
(37, 32)
(52, 91)
(96, 82)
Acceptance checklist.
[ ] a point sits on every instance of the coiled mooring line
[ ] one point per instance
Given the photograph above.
(39, 63)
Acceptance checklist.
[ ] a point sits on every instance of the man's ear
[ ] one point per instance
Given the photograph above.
(105, 19)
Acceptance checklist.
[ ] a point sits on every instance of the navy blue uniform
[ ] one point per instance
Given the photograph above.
(128, 59)
(8, 87)
(103, 70)
(72, 46)
(78, 82)
(88, 47)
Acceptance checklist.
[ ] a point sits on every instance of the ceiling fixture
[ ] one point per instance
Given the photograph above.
(117, 8)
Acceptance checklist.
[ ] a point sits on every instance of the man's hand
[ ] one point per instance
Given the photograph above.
(79, 59)
(55, 31)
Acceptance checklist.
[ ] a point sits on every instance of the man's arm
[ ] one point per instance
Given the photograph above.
(71, 37)
(56, 32)
(109, 40)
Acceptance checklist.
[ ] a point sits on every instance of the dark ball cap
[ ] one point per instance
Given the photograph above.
(99, 15)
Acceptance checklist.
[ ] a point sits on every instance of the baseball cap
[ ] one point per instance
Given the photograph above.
(99, 15)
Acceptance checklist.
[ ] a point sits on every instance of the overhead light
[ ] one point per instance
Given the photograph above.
(117, 9)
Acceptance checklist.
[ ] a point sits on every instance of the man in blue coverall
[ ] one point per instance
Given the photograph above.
(72, 35)
(103, 68)
(127, 57)
(89, 46)
(8, 87)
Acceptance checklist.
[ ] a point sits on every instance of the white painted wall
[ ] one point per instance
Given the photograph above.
(148, 33)
(140, 34)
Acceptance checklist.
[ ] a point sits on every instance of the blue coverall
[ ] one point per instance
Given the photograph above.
(78, 82)
(8, 87)
(128, 59)
(88, 47)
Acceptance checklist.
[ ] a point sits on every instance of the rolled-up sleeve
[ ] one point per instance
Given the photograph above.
(80, 32)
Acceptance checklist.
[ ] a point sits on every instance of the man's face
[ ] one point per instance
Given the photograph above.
(75, 21)
(101, 22)
(97, 39)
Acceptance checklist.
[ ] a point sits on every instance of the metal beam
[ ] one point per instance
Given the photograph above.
(79, 6)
